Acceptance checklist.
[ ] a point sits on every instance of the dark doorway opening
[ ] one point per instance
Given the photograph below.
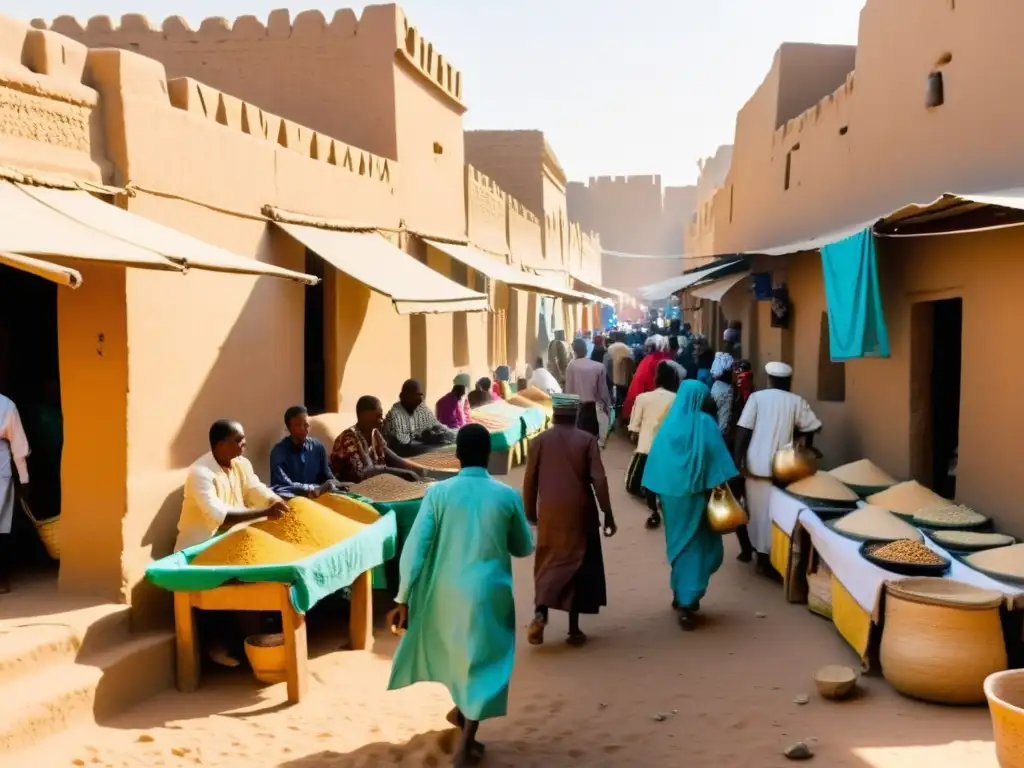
(315, 371)
(937, 333)
(30, 376)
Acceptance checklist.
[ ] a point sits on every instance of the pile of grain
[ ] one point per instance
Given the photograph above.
(863, 473)
(1004, 561)
(908, 498)
(493, 422)
(443, 461)
(389, 488)
(876, 523)
(536, 395)
(248, 546)
(351, 508)
(954, 515)
(906, 552)
(822, 486)
(972, 539)
(310, 527)
(521, 402)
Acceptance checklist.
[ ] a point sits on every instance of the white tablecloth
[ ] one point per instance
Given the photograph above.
(864, 580)
(785, 510)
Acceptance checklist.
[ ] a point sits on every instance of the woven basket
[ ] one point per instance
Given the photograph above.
(1005, 694)
(941, 639)
(48, 530)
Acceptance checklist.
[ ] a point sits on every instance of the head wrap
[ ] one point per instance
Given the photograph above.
(565, 405)
(778, 370)
(462, 380)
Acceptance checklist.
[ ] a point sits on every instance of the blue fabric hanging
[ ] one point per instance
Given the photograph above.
(856, 324)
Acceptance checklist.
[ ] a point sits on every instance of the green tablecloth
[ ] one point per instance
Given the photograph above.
(516, 430)
(311, 579)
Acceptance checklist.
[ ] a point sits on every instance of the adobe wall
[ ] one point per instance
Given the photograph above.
(50, 122)
(878, 119)
(513, 160)
(197, 342)
(876, 418)
(371, 81)
(487, 217)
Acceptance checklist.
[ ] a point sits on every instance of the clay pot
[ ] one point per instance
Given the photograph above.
(1005, 694)
(941, 639)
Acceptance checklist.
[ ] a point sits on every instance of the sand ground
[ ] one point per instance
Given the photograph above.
(642, 693)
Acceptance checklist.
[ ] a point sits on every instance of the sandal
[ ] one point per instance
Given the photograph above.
(576, 640)
(653, 522)
(535, 632)
(687, 620)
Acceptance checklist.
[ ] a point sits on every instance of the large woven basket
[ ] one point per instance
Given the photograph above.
(941, 639)
(819, 586)
(48, 530)
(1005, 694)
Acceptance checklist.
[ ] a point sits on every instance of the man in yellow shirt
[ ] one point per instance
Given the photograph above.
(222, 490)
(648, 412)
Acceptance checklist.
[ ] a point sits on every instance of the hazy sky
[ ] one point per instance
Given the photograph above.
(618, 86)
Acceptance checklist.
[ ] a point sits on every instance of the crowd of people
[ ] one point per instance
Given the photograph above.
(697, 424)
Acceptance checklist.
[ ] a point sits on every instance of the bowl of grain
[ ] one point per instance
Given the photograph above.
(1004, 564)
(968, 542)
(907, 499)
(955, 516)
(905, 557)
(864, 477)
(871, 523)
(822, 490)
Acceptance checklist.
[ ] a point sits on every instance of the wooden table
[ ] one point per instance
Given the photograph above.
(265, 596)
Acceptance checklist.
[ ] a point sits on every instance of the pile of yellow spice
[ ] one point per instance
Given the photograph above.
(307, 528)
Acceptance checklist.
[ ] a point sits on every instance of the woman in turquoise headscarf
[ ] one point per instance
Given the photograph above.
(687, 460)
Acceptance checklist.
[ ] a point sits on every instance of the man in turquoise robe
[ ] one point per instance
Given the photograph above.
(455, 591)
(688, 459)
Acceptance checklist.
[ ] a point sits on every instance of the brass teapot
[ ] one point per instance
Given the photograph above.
(724, 513)
(793, 463)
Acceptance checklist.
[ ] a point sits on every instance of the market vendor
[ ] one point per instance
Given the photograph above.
(360, 452)
(222, 490)
(298, 463)
(14, 453)
(481, 394)
(410, 427)
(772, 419)
(452, 409)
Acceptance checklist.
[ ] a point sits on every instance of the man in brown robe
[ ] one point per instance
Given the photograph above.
(566, 473)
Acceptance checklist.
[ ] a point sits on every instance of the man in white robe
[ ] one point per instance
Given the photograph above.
(14, 450)
(772, 419)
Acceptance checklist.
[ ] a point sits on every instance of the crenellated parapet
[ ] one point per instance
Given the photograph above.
(834, 108)
(420, 53)
(233, 113)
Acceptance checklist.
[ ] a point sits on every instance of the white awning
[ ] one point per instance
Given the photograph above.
(503, 273)
(815, 243)
(179, 248)
(47, 270)
(30, 227)
(716, 290)
(372, 260)
(663, 289)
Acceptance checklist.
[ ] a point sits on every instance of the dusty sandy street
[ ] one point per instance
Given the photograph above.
(642, 693)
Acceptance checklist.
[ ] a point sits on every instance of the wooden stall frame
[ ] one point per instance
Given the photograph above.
(265, 596)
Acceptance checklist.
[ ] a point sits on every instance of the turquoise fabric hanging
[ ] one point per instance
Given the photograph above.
(856, 324)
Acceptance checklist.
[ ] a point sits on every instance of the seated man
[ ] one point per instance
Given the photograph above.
(482, 395)
(298, 463)
(222, 490)
(360, 451)
(452, 410)
(543, 380)
(410, 428)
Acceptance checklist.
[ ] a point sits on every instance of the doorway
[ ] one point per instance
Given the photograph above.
(30, 376)
(937, 339)
(315, 370)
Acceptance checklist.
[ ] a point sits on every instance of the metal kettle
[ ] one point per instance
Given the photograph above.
(724, 513)
(793, 463)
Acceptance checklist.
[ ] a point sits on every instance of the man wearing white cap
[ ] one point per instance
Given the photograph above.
(771, 419)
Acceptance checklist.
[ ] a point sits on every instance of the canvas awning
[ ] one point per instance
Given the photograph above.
(30, 227)
(503, 273)
(372, 260)
(663, 289)
(47, 270)
(817, 242)
(716, 290)
(179, 248)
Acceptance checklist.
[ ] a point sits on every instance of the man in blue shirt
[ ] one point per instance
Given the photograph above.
(299, 464)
